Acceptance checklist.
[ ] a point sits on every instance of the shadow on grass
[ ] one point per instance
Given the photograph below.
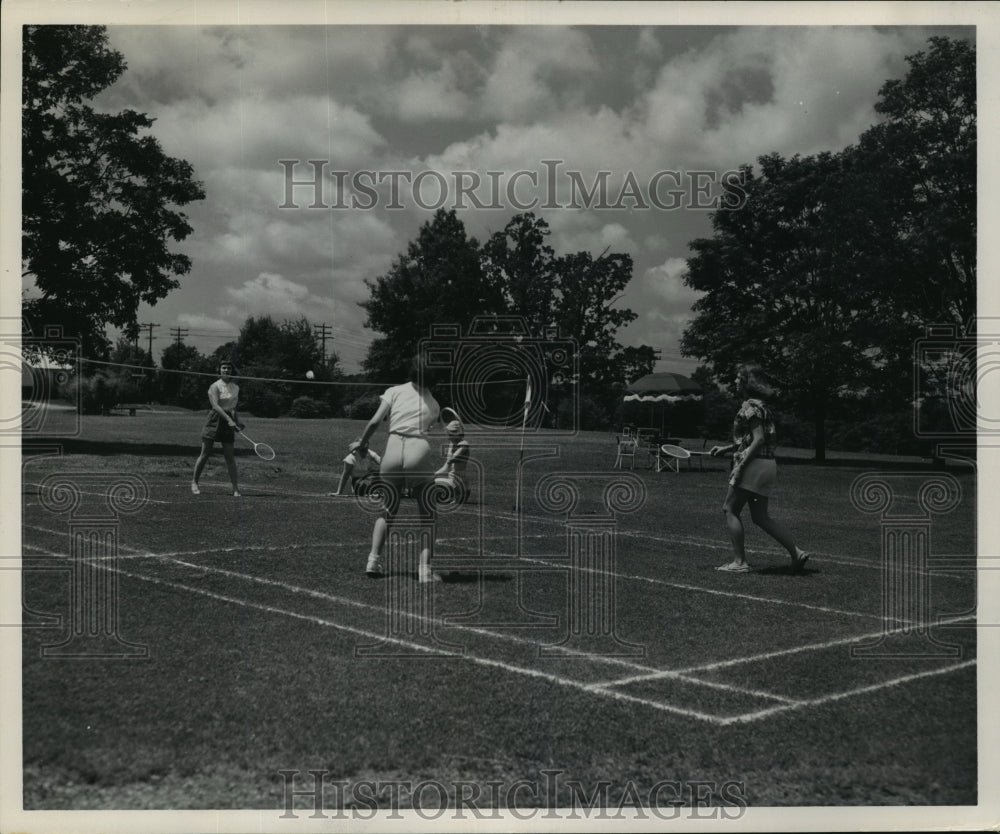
(786, 570)
(455, 577)
(468, 577)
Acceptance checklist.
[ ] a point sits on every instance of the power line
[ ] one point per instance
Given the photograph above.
(179, 333)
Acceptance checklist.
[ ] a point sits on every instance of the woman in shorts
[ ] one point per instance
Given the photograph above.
(754, 471)
(220, 426)
(411, 410)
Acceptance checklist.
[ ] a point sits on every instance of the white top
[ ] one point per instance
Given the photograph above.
(363, 464)
(227, 393)
(411, 412)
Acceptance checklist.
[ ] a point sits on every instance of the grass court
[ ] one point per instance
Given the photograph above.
(268, 649)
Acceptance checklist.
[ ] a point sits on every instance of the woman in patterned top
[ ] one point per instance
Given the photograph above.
(754, 471)
(221, 425)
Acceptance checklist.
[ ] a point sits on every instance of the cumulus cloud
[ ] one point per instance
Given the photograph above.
(235, 100)
(531, 71)
(200, 321)
(274, 295)
(430, 95)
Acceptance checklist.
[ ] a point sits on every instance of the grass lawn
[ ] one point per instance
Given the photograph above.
(574, 647)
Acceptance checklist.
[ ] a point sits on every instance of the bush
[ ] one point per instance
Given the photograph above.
(263, 402)
(363, 407)
(308, 408)
(98, 393)
(890, 434)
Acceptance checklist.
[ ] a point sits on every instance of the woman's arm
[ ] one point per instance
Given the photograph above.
(373, 424)
(715, 451)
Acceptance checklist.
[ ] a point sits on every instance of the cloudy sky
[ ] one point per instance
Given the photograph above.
(438, 105)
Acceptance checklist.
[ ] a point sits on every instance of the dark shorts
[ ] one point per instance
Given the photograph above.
(217, 429)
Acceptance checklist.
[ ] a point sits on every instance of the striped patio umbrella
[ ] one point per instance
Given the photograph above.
(663, 388)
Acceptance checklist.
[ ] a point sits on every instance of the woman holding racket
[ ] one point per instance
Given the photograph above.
(754, 471)
(221, 425)
(406, 464)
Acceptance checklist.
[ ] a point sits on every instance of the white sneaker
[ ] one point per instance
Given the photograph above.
(194, 488)
(425, 574)
(374, 566)
(236, 494)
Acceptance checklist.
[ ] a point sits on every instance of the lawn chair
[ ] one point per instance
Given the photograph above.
(669, 456)
(627, 447)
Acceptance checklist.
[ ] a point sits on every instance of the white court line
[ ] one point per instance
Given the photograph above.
(465, 656)
(746, 718)
(479, 631)
(606, 688)
(549, 562)
(709, 544)
(139, 553)
(87, 492)
(615, 661)
(809, 647)
(717, 592)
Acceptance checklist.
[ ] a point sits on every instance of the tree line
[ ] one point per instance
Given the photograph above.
(446, 277)
(278, 354)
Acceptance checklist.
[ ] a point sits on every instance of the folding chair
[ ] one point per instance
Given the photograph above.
(627, 447)
(670, 456)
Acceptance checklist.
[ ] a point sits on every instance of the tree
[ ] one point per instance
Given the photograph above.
(520, 268)
(837, 262)
(573, 295)
(782, 288)
(439, 281)
(586, 292)
(98, 199)
(283, 351)
(188, 389)
(446, 278)
(923, 159)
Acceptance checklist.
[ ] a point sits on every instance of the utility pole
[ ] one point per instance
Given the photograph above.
(178, 334)
(322, 333)
(150, 325)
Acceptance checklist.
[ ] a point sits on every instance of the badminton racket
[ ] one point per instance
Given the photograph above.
(263, 451)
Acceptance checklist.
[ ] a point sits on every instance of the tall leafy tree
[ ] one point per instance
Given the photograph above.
(284, 351)
(99, 196)
(922, 158)
(587, 291)
(837, 262)
(520, 267)
(781, 288)
(574, 295)
(185, 389)
(438, 281)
